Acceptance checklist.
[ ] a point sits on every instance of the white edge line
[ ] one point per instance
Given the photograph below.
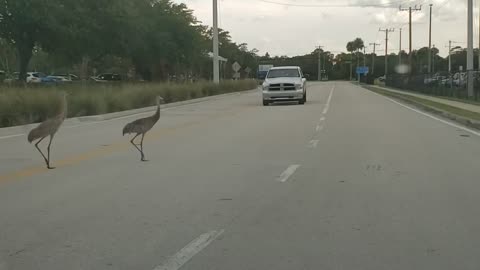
(288, 173)
(189, 251)
(430, 116)
(314, 143)
(12, 136)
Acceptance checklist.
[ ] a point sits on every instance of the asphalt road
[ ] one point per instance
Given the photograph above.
(351, 180)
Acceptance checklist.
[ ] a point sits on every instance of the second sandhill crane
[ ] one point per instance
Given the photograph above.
(48, 128)
(141, 127)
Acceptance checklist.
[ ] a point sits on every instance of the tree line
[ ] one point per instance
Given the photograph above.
(341, 65)
(151, 38)
(155, 40)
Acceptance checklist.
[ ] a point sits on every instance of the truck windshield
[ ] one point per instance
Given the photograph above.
(277, 73)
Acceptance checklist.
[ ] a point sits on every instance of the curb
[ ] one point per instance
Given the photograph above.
(463, 120)
(22, 130)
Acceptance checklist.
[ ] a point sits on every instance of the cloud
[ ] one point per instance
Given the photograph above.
(291, 30)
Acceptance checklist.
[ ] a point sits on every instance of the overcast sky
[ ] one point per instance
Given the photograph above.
(296, 30)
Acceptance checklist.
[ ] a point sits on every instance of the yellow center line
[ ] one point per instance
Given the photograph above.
(100, 152)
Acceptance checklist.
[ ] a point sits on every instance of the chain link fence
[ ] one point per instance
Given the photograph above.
(440, 84)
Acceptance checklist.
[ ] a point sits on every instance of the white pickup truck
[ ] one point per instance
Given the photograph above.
(284, 84)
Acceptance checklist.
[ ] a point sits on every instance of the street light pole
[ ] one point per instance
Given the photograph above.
(449, 56)
(320, 63)
(216, 67)
(470, 48)
(430, 43)
(400, 49)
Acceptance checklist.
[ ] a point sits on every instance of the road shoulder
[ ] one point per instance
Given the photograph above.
(17, 131)
(459, 114)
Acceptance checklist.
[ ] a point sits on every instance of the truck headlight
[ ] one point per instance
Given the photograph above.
(298, 86)
(265, 87)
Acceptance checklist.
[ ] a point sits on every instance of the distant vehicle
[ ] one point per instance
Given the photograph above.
(65, 78)
(35, 77)
(381, 79)
(11, 78)
(460, 79)
(284, 84)
(262, 71)
(107, 77)
(59, 79)
(437, 79)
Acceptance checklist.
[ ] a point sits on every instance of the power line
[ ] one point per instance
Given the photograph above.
(385, 5)
(443, 5)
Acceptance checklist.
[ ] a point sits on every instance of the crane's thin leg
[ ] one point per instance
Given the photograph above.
(41, 153)
(141, 148)
(133, 143)
(48, 149)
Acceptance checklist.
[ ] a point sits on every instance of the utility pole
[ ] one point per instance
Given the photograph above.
(216, 67)
(319, 62)
(430, 42)
(373, 56)
(351, 67)
(400, 49)
(386, 47)
(324, 61)
(410, 10)
(364, 64)
(470, 48)
(358, 64)
(364, 55)
(433, 59)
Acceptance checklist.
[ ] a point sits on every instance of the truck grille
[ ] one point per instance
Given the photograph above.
(282, 87)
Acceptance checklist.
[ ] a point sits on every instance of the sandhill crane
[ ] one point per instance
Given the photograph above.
(48, 128)
(142, 126)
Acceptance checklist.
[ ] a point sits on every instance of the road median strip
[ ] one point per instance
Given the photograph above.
(466, 117)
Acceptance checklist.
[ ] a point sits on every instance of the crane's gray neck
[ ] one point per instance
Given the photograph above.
(64, 109)
(157, 113)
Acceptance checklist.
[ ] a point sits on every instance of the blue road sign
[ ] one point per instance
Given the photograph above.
(362, 70)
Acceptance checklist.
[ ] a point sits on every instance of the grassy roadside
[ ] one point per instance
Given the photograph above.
(20, 105)
(436, 107)
(468, 101)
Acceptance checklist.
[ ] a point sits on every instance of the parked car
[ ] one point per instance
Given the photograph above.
(436, 79)
(460, 79)
(107, 77)
(284, 84)
(35, 77)
(59, 79)
(62, 77)
(10, 78)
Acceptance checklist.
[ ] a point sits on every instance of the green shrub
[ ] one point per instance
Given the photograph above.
(23, 105)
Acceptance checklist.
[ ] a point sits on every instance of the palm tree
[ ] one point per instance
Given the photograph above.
(355, 45)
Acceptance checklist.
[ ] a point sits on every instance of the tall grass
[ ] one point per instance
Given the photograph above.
(25, 105)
